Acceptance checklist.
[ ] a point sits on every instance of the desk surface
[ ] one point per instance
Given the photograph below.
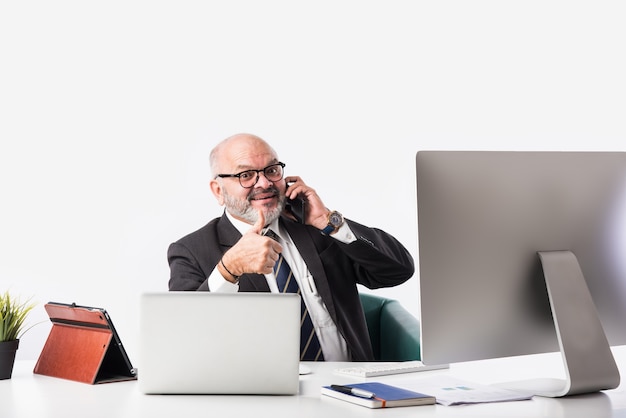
(29, 395)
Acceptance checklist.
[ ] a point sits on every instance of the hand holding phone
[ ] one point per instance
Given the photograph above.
(304, 203)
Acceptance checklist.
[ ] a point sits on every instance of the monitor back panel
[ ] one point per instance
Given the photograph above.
(482, 218)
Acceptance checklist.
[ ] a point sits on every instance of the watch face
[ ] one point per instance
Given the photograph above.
(335, 219)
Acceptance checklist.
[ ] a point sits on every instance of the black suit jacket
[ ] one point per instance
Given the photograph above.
(376, 259)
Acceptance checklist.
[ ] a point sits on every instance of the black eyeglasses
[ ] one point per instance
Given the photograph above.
(249, 178)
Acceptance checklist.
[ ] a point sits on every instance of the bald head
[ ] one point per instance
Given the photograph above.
(234, 152)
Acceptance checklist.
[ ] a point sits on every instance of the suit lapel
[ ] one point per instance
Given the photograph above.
(300, 236)
(227, 234)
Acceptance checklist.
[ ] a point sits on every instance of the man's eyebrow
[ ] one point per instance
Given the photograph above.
(242, 168)
(246, 167)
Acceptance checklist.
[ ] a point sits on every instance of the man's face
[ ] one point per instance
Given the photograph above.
(244, 204)
(261, 193)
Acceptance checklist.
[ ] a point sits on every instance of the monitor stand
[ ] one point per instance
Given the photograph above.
(587, 357)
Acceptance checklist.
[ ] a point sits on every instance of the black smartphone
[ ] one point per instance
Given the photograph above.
(297, 208)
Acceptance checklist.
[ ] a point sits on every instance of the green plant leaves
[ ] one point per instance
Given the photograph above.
(13, 313)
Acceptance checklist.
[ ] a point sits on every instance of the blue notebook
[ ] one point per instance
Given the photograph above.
(384, 396)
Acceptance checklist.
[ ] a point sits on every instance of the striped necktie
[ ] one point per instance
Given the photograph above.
(310, 349)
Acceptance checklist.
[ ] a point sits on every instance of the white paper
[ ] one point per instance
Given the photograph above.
(452, 391)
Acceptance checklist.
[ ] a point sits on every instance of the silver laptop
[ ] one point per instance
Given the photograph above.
(212, 343)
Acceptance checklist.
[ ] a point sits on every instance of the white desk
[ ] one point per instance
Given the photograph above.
(29, 395)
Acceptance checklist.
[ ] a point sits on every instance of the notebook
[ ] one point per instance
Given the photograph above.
(215, 343)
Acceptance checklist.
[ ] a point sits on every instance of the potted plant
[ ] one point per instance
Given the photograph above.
(13, 314)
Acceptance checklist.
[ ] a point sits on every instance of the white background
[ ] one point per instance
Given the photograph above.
(108, 111)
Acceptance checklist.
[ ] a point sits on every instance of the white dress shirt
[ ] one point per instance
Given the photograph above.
(333, 344)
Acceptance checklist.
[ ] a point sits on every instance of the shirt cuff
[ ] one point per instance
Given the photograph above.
(344, 234)
(218, 284)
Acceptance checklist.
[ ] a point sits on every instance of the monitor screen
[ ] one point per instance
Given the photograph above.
(484, 219)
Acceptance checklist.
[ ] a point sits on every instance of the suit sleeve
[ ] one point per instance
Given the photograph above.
(185, 270)
(378, 258)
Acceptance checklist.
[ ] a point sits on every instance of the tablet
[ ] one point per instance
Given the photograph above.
(83, 346)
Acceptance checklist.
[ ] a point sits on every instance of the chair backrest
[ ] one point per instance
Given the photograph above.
(394, 332)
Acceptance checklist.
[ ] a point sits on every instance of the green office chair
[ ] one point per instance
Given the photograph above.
(394, 332)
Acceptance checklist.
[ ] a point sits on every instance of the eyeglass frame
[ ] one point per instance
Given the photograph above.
(257, 172)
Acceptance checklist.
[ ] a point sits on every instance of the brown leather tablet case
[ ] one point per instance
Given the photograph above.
(83, 346)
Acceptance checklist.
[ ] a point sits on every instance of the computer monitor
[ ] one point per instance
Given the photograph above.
(512, 242)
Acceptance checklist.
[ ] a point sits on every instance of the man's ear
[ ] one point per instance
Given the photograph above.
(216, 188)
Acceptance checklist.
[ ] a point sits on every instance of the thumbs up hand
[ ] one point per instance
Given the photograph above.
(253, 253)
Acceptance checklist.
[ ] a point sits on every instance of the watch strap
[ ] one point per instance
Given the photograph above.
(329, 228)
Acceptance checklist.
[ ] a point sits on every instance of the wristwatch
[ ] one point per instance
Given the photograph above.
(335, 220)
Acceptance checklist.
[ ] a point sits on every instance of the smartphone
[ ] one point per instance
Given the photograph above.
(297, 208)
